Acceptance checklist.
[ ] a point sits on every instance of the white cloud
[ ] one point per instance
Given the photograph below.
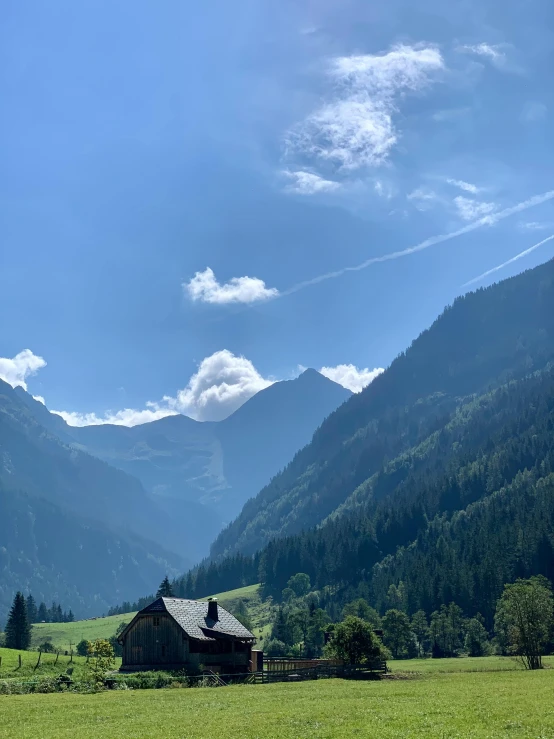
(125, 417)
(40, 399)
(204, 287)
(471, 210)
(356, 128)
(222, 383)
(307, 183)
(493, 52)
(15, 371)
(465, 186)
(535, 225)
(423, 198)
(349, 376)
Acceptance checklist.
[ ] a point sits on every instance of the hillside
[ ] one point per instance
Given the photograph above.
(485, 339)
(72, 528)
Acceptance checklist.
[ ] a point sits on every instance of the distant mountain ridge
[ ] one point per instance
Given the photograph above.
(219, 465)
(127, 499)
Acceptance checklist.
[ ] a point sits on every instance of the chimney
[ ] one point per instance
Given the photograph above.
(212, 609)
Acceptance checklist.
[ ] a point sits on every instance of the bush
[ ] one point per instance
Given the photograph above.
(275, 648)
(82, 648)
(47, 647)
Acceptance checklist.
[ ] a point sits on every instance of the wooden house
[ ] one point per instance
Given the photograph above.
(174, 634)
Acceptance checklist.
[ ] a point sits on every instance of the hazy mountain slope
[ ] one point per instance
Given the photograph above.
(209, 470)
(36, 462)
(484, 339)
(80, 563)
(260, 438)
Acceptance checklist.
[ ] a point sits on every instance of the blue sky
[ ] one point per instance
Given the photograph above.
(175, 178)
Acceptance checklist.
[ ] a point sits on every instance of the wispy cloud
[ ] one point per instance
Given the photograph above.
(124, 417)
(432, 241)
(350, 376)
(16, 370)
(469, 209)
(423, 198)
(205, 288)
(510, 261)
(355, 129)
(307, 183)
(465, 186)
(535, 225)
(493, 52)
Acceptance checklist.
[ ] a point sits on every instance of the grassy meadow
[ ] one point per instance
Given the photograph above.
(466, 704)
(66, 636)
(49, 666)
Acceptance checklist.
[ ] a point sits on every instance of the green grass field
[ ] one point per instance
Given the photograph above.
(459, 664)
(459, 705)
(66, 636)
(9, 668)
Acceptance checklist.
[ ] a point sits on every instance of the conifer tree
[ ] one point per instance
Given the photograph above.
(31, 609)
(42, 613)
(165, 590)
(18, 629)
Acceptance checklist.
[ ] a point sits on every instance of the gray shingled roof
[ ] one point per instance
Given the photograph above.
(192, 617)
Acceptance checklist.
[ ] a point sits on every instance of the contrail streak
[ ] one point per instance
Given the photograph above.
(432, 241)
(505, 264)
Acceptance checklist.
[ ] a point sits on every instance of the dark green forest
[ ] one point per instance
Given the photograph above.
(437, 480)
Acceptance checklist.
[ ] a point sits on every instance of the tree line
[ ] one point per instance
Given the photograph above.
(523, 626)
(24, 613)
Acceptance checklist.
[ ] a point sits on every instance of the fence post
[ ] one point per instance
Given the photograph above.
(57, 655)
(71, 658)
(19, 662)
(38, 660)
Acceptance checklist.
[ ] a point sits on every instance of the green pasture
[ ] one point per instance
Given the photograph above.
(459, 664)
(67, 636)
(504, 704)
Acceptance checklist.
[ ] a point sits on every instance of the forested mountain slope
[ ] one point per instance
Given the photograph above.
(71, 526)
(35, 461)
(57, 555)
(452, 519)
(485, 339)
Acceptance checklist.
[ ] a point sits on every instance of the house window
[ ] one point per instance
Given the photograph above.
(156, 620)
(163, 650)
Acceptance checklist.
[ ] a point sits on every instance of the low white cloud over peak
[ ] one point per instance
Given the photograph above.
(125, 417)
(205, 288)
(350, 376)
(221, 384)
(16, 370)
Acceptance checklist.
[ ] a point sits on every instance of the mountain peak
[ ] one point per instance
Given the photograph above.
(309, 372)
